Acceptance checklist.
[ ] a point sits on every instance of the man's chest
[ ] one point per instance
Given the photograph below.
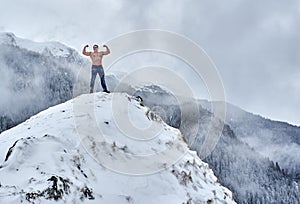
(96, 55)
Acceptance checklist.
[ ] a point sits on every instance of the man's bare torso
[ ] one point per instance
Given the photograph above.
(96, 58)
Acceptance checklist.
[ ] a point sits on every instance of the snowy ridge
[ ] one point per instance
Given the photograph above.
(251, 177)
(47, 48)
(43, 160)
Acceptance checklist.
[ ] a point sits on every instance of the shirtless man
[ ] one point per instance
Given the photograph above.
(97, 68)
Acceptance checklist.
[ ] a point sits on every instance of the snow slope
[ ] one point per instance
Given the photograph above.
(44, 159)
(251, 176)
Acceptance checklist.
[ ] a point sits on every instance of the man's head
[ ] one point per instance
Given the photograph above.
(95, 47)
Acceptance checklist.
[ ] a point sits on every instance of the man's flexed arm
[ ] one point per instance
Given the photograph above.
(84, 52)
(107, 50)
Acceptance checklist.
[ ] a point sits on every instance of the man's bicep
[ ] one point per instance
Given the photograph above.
(87, 53)
(104, 52)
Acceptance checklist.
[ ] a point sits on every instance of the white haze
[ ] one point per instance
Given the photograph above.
(255, 45)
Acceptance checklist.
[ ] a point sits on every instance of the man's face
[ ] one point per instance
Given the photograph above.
(95, 47)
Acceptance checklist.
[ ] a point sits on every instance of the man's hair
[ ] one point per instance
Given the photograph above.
(95, 46)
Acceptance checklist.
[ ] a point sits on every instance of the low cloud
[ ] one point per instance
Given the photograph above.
(254, 44)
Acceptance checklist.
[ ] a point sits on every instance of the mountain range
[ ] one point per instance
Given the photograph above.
(256, 158)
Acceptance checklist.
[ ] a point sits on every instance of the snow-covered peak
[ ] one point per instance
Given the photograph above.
(49, 157)
(7, 38)
(55, 49)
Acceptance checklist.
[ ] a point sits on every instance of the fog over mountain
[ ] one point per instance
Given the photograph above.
(34, 77)
(258, 172)
(256, 158)
(255, 45)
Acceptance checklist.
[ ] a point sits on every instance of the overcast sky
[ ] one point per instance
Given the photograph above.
(254, 44)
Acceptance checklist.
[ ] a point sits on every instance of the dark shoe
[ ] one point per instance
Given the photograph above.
(106, 91)
(91, 91)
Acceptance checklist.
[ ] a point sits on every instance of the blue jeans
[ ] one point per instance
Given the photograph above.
(97, 70)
